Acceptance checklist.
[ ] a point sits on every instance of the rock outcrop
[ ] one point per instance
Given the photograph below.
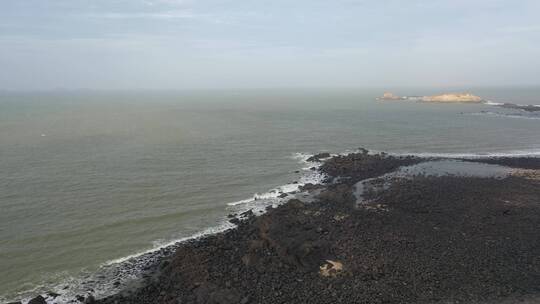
(443, 98)
(450, 98)
(390, 96)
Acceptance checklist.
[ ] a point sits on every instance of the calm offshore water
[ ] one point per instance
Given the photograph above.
(87, 178)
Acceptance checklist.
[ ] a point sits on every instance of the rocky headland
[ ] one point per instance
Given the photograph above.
(420, 239)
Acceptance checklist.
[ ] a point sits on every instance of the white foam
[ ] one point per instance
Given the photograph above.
(244, 201)
(503, 115)
(473, 155)
(527, 105)
(273, 195)
(491, 103)
(160, 244)
(124, 270)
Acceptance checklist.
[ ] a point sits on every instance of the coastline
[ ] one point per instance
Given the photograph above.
(328, 250)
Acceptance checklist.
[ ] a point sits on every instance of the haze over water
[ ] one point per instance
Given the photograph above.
(87, 178)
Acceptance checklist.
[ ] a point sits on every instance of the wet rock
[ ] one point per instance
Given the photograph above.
(358, 166)
(363, 151)
(235, 221)
(38, 300)
(53, 294)
(311, 187)
(318, 157)
(90, 300)
(248, 213)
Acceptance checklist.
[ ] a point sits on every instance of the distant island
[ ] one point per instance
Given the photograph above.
(443, 98)
(459, 98)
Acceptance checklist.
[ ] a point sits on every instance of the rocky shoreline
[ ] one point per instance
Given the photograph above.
(424, 239)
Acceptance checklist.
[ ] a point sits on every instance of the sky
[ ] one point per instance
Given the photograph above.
(194, 44)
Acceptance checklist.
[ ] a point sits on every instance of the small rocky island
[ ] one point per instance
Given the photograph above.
(443, 98)
(466, 98)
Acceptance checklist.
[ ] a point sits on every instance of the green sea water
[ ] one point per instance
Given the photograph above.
(88, 178)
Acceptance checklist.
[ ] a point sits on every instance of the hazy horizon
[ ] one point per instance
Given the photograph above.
(212, 44)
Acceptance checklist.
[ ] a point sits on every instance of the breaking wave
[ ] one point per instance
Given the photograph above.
(505, 115)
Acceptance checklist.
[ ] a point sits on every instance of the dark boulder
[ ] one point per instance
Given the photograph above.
(38, 300)
(90, 300)
(318, 157)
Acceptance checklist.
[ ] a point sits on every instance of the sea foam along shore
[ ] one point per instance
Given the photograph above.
(117, 274)
(504, 115)
(532, 152)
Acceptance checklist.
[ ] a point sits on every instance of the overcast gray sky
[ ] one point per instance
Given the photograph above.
(179, 44)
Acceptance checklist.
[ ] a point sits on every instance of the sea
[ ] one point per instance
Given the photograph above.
(92, 183)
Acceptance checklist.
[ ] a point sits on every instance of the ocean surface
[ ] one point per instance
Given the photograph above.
(90, 179)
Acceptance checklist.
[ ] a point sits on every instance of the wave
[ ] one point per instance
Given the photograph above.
(504, 115)
(473, 155)
(515, 106)
(492, 103)
(273, 195)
